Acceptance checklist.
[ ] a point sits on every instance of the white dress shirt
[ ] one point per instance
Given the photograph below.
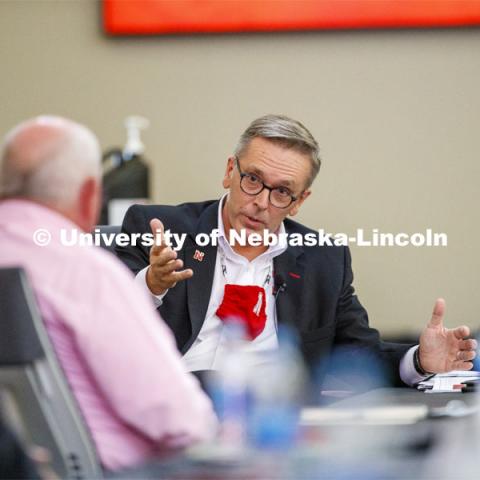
(208, 348)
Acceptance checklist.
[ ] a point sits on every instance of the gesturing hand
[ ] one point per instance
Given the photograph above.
(442, 349)
(163, 272)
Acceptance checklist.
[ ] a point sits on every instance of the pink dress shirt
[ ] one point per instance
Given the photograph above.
(119, 359)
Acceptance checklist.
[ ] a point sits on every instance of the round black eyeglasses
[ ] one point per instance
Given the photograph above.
(279, 197)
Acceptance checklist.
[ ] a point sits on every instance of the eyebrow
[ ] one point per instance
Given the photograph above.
(285, 183)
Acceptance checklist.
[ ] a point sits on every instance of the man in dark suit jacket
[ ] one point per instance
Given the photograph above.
(268, 178)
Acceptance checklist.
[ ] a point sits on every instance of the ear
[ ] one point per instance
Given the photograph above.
(89, 203)
(296, 206)
(227, 179)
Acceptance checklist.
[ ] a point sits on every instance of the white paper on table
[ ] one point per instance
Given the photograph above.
(445, 382)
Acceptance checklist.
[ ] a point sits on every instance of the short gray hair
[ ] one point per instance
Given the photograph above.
(286, 132)
(61, 164)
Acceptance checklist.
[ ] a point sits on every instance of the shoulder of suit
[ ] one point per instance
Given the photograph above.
(291, 226)
(328, 251)
(179, 218)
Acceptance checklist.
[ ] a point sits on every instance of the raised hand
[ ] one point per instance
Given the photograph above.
(164, 270)
(442, 349)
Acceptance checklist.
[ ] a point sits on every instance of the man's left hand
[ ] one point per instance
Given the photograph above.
(442, 349)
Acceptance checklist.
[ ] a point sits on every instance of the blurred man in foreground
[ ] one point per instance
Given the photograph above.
(120, 361)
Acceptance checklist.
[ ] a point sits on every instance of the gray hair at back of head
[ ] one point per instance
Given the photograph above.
(284, 131)
(60, 169)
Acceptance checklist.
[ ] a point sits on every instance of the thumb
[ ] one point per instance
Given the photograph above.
(157, 228)
(438, 313)
(156, 225)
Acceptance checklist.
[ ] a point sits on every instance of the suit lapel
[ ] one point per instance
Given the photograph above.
(199, 287)
(289, 267)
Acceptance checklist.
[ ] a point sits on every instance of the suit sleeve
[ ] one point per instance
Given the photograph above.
(354, 333)
(135, 257)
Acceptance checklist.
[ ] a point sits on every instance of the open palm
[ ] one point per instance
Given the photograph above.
(443, 349)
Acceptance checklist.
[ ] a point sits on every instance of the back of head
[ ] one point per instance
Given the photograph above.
(47, 159)
(286, 132)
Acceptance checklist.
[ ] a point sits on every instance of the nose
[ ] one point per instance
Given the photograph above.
(261, 200)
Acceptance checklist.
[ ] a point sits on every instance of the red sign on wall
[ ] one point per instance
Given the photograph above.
(150, 17)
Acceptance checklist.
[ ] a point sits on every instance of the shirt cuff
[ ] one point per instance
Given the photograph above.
(408, 373)
(141, 279)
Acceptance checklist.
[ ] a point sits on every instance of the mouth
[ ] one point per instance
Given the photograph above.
(253, 222)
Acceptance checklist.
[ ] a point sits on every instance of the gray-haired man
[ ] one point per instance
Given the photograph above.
(309, 287)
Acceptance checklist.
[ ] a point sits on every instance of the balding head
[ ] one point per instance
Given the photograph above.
(47, 159)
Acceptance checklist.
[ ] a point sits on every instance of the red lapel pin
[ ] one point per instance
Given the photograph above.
(198, 255)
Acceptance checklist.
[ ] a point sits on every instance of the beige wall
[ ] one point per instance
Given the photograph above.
(396, 114)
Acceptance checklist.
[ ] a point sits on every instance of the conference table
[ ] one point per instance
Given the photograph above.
(389, 433)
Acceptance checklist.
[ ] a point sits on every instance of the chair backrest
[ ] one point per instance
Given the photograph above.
(30, 372)
(108, 229)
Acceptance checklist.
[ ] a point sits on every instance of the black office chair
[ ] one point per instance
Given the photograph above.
(30, 372)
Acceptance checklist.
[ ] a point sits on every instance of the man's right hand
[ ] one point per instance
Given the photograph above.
(164, 270)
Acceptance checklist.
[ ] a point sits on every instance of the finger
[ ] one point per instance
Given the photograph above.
(461, 332)
(158, 230)
(466, 355)
(470, 344)
(169, 268)
(459, 365)
(172, 279)
(156, 250)
(164, 255)
(183, 275)
(438, 313)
